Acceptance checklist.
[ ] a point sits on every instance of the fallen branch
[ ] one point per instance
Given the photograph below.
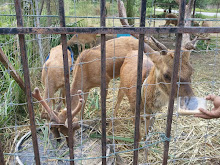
(4, 60)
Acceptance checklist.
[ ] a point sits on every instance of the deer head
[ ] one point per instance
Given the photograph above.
(164, 68)
(60, 119)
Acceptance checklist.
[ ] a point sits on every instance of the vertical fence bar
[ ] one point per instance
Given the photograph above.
(67, 83)
(174, 80)
(103, 81)
(2, 161)
(139, 83)
(27, 82)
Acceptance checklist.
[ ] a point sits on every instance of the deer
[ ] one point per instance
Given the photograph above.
(128, 83)
(156, 79)
(87, 70)
(58, 119)
(205, 36)
(82, 39)
(174, 22)
(52, 76)
(156, 76)
(206, 24)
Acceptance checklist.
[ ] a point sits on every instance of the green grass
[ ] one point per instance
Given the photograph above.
(213, 10)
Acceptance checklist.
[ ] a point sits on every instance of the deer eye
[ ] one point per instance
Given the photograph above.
(167, 76)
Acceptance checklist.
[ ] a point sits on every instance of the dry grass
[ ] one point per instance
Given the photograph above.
(194, 140)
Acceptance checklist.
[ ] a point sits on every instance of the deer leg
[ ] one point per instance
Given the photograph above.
(207, 48)
(79, 48)
(149, 126)
(85, 96)
(62, 99)
(90, 45)
(83, 47)
(56, 133)
(119, 99)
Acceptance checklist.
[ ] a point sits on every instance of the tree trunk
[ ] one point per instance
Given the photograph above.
(48, 13)
(130, 11)
(188, 10)
(217, 10)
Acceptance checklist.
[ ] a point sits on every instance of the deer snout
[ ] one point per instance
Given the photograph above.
(186, 90)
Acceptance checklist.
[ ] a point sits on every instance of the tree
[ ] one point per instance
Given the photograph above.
(217, 3)
(130, 10)
(188, 11)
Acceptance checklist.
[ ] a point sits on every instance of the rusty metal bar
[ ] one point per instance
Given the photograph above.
(108, 30)
(2, 161)
(67, 82)
(103, 81)
(139, 83)
(174, 81)
(4, 60)
(27, 82)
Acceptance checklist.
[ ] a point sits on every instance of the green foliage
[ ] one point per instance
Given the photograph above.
(93, 103)
(11, 97)
(202, 45)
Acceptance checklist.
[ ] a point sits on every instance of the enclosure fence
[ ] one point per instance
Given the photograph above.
(103, 30)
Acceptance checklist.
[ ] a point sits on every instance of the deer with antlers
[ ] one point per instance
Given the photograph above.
(156, 76)
(59, 119)
(53, 75)
(157, 72)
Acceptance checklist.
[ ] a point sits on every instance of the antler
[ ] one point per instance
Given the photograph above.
(53, 116)
(192, 44)
(80, 103)
(161, 46)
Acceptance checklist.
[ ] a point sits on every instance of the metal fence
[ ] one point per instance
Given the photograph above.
(63, 30)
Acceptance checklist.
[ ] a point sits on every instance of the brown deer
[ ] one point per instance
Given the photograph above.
(128, 83)
(154, 95)
(53, 74)
(87, 70)
(174, 22)
(205, 36)
(82, 39)
(59, 120)
(206, 24)
(157, 72)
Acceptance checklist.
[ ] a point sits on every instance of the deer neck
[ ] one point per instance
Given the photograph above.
(70, 42)
(158, 97)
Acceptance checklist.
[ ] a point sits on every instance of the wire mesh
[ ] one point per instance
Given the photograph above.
(193, 140)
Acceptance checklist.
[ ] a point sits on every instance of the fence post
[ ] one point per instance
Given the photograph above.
(174, 80)
(2, 161)
(67, 83)
(139, 83)
(103, 81)
(27, 82)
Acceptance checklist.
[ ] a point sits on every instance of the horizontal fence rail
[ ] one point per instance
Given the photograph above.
(106, 30)
(96, 17)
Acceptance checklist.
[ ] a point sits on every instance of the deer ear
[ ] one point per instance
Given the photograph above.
(156, 58)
